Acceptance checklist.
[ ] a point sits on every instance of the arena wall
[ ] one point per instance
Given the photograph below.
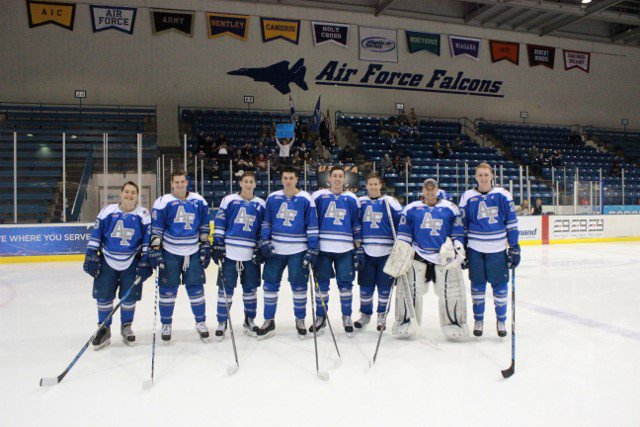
(47, 63)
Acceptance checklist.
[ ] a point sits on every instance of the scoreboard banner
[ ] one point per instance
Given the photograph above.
(46, 239)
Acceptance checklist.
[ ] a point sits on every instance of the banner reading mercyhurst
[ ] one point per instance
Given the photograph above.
(423, 41)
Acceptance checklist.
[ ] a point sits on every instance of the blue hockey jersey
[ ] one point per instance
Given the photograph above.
(121, 235)
(291, 223)
(426, 228)
(338, 220)
(377, 235)
(237, 225)
(489, 220)
(180, 222)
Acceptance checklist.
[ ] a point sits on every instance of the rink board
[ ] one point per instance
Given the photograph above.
(64, 242)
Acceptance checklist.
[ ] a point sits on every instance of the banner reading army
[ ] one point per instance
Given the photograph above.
(275, 28)
(44, 12)
(163, 20)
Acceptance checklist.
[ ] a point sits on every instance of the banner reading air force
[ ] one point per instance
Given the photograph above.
(423, 41)
(44, 12)
(326, 32)
(378, 44)
(113, 18)
(464, 46)
(576, 59)
(224, 24)
(276, 28)
(180, 21)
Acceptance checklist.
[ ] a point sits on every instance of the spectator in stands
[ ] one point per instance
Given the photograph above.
(221, 139)
(261, 163)
(537, 209)
(274, 161)
(557, 159)
(323, 131)
(383, 130)
(415, 133)
(347, 155)
(616, 168)
(259, 149)
(263, 134)
(404, 129)
(438, 150)
(285, 150)
(447, 150)
(458, 145)
(413, 119)
(406, 167)
(524, 209)
(247, 151)
(393, 128)
(321, 153)
(386, 166)
(533, 154)
(311, 161)
(297, 161)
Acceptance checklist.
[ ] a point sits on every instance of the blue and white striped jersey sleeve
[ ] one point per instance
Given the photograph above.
(220, 222)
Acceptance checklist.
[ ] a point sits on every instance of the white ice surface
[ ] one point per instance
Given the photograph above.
(578, 357)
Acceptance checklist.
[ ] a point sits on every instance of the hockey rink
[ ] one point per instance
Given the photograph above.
(578, 341)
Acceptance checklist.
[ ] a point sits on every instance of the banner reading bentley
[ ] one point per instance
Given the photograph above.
(285, 29)
(220, 24)
(326, 32)
(576, 59)
(423, 41)
(541, 55)
(378, 44)
(504, 50)
(113, 18)
(172, 20)
(464, 46)
(44, 12)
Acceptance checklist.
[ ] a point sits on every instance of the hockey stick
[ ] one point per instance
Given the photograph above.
(511, 369)
(326, 312)
(386, 313)
(48, 381)
(147, 384)
(323, 375)
(231, 369)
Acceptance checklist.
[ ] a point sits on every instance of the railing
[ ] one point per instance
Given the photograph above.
(81, 194)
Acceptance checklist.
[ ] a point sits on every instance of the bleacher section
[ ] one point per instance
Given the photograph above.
(628, 142)
(589, 162)
(40, 128)
(451, 171)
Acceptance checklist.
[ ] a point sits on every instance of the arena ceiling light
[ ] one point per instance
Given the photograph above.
(586, 1)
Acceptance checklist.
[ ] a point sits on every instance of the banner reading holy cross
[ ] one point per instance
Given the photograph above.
(327, 32)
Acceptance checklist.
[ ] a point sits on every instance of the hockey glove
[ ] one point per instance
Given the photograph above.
(358, 258)
(513, 256)
(257, 257)
(310, 258)
(156, 260)
(266, 248)
(92, 262)
(218, 253)
(143, 269)
(205, 253)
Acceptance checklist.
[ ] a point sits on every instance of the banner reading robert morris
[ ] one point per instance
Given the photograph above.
(378, 44)
(423, 41)
(576, 59)
(276, 28)
(172, 20)
(327, 32)
(541, 55)
(221, 24)
(464, 46)
(504, 50)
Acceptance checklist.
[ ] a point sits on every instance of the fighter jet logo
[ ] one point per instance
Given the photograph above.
(277, 75)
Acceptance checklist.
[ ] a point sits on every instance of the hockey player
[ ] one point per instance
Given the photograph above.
(237, 229)
(340, 246)
(434, 230)
(180, 248)
(289, 238)
(490, 222)
(116, 255)
(377, 240)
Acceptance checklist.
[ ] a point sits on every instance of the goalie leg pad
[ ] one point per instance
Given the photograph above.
(417, 287)
(452, 302)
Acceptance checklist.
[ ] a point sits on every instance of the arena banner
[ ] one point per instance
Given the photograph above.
(504, 51)
(163, 20)
(113, 18)
(378, 44)
(576, 59)
(530, 230)
(223, 24)
(44, 12)
(46, 239)
(423, 41)
(464, 46)
(277, 28)
(622, 210)
(351, 178)
(541, 55)
(327, 32)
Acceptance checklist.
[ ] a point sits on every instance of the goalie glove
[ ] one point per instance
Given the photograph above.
(400, 259)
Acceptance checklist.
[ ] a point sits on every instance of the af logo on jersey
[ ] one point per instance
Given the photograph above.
(432, 224)
(184, 218)
(287, 215)
(246, 220)
(487, 212)
(122, 233)
(335, 213)
(373, 217)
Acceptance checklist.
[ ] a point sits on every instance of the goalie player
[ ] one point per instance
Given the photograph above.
(430, 233)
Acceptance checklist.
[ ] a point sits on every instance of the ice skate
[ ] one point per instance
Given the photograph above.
(477, 328)
(502, 329)
(319, 326)
(127, 333)
(267, 330)
(249, 327)
(362, 321)
(203, 331)
(301, 329)
(381, 323)
(102, 339)
(222, 327)
(348, 325)
(166, 332)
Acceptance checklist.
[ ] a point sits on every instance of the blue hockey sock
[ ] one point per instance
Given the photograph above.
(500, 298)
(167, 303)
(346, 297)
(270, 299)
(222, 308)
(198, 304)
(366, 300)
(104, 308)
(324, 294)
(127, 310)
(299, 300)
(383, 298)
(477, 296)
(250, 301)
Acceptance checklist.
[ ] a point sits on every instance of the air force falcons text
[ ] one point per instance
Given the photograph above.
(440, 81)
